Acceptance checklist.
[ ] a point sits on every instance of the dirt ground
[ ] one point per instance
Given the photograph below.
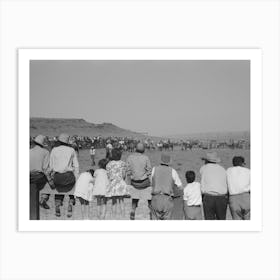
(182, 161)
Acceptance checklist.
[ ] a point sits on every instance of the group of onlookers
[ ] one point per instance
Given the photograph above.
(115, 179)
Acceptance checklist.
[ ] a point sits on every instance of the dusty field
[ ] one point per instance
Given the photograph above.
(182, 161)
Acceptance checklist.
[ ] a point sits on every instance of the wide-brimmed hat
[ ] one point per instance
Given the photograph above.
(140, 147)
(40, 139)
(64, 138)
(165, 159)
(212, 157)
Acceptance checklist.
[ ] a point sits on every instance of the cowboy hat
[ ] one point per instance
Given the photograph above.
(40, 139)
(64, 138)
(212, 157)
(165, 159)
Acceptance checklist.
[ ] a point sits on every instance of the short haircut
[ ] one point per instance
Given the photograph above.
(238, 161)
(190, 176)
(91, 171)
(116, 154)
(102, 163)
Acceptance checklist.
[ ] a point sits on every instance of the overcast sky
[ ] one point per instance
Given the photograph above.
(158, 97)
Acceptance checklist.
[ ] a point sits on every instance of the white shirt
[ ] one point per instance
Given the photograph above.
(192, 194)
(109, 146)
(63, 159)
(175, 177)
(84, 186)
(238, 179)
(92, 151)
(213, 179)
(101, 182)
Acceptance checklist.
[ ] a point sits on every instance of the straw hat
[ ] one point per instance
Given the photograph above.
(165, 159)
(40, 139)
(64, 138)
(212, 157)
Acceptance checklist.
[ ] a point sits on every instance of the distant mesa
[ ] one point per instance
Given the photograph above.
(54, 126)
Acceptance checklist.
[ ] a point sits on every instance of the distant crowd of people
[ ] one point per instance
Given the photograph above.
(115, 180)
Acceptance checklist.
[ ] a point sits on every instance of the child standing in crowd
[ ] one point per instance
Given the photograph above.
(92, 155)
(83, 191)
(192, 198)
(117, 188)
(101, 183)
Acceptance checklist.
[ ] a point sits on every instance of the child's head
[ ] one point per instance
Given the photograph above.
(116, 154)
(102, 163)
(238, 161)
(190, 176)
(91, 171)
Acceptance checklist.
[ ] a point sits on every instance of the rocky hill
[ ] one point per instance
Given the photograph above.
(55, 126)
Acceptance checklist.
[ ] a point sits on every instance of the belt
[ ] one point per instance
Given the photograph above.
(240, 193)
(194, 205)
(211, 194)
(162, 193)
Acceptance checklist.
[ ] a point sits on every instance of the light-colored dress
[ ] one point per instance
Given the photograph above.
(84, 186)
(101, 182)
(117, 185)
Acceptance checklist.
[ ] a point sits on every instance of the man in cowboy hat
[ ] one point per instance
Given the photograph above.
(238, 178)
(214, 188)
(65, 168)
(39, 175)
(164, 178)
(138, 171)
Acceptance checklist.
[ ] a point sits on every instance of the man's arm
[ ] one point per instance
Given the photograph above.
(75, 165)
(176, 178)
(148, 167)
(46, 163)
(128, 167)
(51, 164)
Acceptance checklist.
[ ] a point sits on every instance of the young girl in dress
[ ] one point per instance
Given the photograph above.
(100, 186)
(83, 191)
(117, 188)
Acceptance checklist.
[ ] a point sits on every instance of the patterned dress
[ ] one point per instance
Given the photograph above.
(117, 186)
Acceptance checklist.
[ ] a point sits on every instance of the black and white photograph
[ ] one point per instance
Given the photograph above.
(128, 140)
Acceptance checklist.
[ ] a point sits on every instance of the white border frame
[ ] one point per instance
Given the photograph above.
(254, 55)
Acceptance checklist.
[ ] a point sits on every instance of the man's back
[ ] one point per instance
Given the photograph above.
(238, 179)
(63, 158)
(39, 159)
(139, 166)
(213, 179)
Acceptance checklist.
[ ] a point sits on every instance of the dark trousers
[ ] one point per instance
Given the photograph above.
(161, 207)
(58, 199)
(64, 182)
(37, 182)
(215, 206)
(134, 205)
(135, 201)
(44, 197)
